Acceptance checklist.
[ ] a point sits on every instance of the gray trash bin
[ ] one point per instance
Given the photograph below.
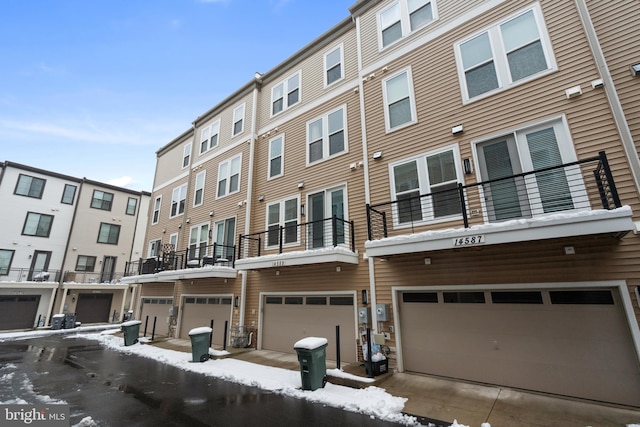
(70, 321)
(313, 362)
(200, 340)
(57, 321)
(131, 330)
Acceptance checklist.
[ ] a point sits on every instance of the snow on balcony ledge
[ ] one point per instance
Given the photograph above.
(311, 256)
(187, 273)
(565, 224)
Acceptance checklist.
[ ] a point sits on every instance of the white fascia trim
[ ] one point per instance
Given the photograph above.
(96, 286)
(522, 230)
(288, 259)
(429, 36)
(31, 285)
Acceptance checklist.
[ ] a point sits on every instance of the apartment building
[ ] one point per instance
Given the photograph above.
(64, 245)
(461, 177)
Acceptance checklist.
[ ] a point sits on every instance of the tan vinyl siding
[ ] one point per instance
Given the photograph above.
(447, 12)
(439, 102)
(157, 290)
(169, 160)
(312, 78)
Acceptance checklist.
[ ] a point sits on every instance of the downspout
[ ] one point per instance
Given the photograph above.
(610, 92)
(365, 160)
(247, 225)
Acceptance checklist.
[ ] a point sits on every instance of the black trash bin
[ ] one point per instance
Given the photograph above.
(131, 331)
(312, 356)
(57, 321)
(200, 339)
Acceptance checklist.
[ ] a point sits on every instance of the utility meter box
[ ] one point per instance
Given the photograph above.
(363, 315)
(382, 312)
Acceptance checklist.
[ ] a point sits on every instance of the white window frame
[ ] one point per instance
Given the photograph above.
(199, 240)
(340, 64)
(173, 240)
(326, 136)
(272, 157)
(238, 111)
(282, 222)
(186, 156)
(412, 100)
(499, 56)
(157, 205)
(405, 21)
(225, 168)
(286, 90)
(178, 194)
(424, 186)
(154, 248)
(209, 136)
(220, 226)
(199, 184)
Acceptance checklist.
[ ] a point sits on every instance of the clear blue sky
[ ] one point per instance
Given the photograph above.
(92, 88)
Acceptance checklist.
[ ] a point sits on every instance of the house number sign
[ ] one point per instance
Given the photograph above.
(469, 240)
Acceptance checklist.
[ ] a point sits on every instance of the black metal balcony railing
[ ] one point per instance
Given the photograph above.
(323, 233)
(194, 257)
(583, 185)
(29, 275)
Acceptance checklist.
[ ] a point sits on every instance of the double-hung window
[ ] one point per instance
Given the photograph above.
(69, 194)
(238, 120)
(109, 233)
(333, 65)
(132, 205)
(327, 135)
(30, 186)
(101, 200)
(426, 187)
(282, 214)
(198, 194)
(6, 256)
(209, 137)
(402, 18)
(229, 176)
(511, 52)
(276, 157)
(198, 241)
(186, 155)
(155, 248)
(399, 102)
(285, 94)
(178, 197)
(156, 210)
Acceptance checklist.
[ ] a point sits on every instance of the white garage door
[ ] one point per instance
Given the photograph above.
(200, 311)
(287, 319)
(156, 309)
(568, 342)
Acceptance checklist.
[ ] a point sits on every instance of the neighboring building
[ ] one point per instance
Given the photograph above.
(63, 246)
(461, 176)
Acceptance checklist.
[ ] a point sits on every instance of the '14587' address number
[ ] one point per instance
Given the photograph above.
(469, 240)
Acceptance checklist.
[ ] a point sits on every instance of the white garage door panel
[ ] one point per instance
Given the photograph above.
(569, 349)
(285, 324)
(196, 314)
(158, 309)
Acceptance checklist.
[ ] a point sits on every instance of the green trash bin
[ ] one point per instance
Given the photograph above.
(313, 362)
(131, 330)
(200, 340)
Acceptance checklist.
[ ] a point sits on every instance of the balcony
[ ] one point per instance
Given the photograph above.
(573, 199)
(199, 261)
(19, 275)
(326, 240)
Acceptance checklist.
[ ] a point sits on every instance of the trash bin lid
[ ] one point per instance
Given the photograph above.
(59, 315)
(310, 343)
(131, 323)
(200, 330)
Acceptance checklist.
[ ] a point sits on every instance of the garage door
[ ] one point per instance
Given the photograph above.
(199, 311)
(156, 309)
(287, 319)
(93, 308)
(568, 342)
(18, 311)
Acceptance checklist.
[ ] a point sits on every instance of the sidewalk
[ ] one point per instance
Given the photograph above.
(432, 399)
